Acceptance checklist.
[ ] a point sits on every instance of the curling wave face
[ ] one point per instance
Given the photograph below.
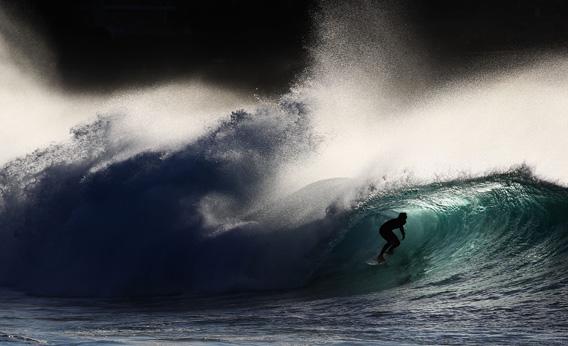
(502, 235)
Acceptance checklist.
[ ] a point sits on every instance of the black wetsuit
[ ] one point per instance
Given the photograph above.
(386, 231)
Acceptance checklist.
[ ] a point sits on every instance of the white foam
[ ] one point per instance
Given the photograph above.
(371, 101)
(35, 111)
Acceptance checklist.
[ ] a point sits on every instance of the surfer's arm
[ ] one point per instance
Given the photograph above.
(402, 231)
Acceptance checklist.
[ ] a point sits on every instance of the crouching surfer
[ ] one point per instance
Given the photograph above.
(386, 231)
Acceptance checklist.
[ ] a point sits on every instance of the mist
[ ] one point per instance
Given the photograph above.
(382, 113)
(38, 111)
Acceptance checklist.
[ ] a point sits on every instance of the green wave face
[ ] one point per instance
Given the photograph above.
(499, 235)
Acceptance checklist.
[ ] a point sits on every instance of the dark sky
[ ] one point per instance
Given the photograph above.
(100, 45)
(468, 27)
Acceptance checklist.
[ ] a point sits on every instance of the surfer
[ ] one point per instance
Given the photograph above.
(386, 231)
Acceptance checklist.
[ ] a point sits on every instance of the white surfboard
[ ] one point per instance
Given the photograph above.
(373, 261)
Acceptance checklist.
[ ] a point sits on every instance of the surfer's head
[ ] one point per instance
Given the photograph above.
(402, 216)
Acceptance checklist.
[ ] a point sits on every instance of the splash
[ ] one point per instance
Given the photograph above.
(375, 98)
(36, 112)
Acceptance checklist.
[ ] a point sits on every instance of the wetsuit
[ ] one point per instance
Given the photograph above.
(386, 231)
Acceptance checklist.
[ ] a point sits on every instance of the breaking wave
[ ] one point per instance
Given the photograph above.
(201, 202)
(76, 222)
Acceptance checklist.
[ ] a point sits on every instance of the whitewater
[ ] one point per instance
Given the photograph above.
(187, 213)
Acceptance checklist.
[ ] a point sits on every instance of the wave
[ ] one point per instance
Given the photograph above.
(75, 221)
(504, 232)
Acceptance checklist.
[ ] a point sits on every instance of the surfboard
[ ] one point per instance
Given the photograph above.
(373, 261)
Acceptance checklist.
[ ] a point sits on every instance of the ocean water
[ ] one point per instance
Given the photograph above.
(484, 260)
(165, 218)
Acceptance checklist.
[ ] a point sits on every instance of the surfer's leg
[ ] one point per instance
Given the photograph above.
(388, 236)
(394, 243)
(380, 256)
